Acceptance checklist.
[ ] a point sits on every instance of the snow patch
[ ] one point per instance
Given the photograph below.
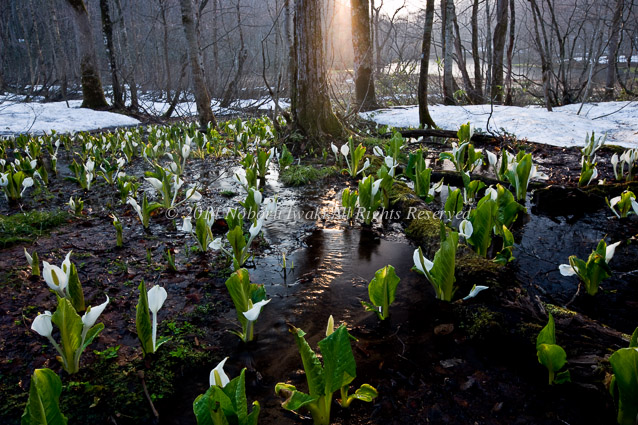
(562, 127)
(39, 118)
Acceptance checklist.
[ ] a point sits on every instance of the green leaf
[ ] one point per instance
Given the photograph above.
(239, 288)
(75, 290)
(238, 242)
(143, 321)
(208, 407)
(547, 334)
(624, 363)
(453, 203)
(552, 356)
(507, 206)
(70, 325)
(483, 223)
(382, 289)
(91, 334)
(43, 406)
(294, 399)
(311, 364)
(633, 342)
(338, 359)
(443, 270)
(364, 393)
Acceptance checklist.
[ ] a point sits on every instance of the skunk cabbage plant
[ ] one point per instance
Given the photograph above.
(625, 203)
(225, 401)
(440, 272)
(382, 290)
(76, 333)
(551, 355)
(249, 298)
(595, 270)
(64, 281)
(149, 303)
(336, 373)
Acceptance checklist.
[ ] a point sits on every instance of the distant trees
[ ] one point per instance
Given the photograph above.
(552, 52)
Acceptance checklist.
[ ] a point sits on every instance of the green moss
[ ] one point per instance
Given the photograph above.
(26, 227)
(424, 228)
(471, 265)
(558, 311)
(299, 175)
(482, 323)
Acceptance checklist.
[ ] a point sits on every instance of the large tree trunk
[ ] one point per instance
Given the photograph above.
(312, 111)
(363, 76)
(92, 92)
(500, 33)
(107, 29)
(202, 97)
(425, 120)
(612, 57)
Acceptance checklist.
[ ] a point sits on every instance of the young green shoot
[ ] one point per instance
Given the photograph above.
(382, 290)
(551, 355)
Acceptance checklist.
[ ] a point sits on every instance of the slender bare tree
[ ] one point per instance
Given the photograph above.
(425, 119)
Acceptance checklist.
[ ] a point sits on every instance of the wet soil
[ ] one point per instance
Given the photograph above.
(432, 362)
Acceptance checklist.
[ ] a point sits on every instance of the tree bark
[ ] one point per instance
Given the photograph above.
(130, 76)
(92, 92)
(543, 50)
(425, 120)
(510, 53)
(107, 30)
(500, 32)
(476, 56)
(460, 59)
(202, 97)
(312, 110)
(612, 57)
(363, 76)
(61, 58)
(242, 55)
(447, 8)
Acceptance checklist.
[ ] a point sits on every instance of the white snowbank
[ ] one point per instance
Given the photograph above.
(562, 127)
(38, 118)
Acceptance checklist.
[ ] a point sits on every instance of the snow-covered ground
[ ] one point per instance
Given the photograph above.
(38, 118)
(562, 127)
(33, 117)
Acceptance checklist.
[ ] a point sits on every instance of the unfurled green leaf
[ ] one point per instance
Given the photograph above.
(143, 321)
(43, 406)
(381, 290)
(624, 363)
(227, 405)
(75, 290)
(294, 400)
(311, 364)
(70, 325)
(339, 367)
